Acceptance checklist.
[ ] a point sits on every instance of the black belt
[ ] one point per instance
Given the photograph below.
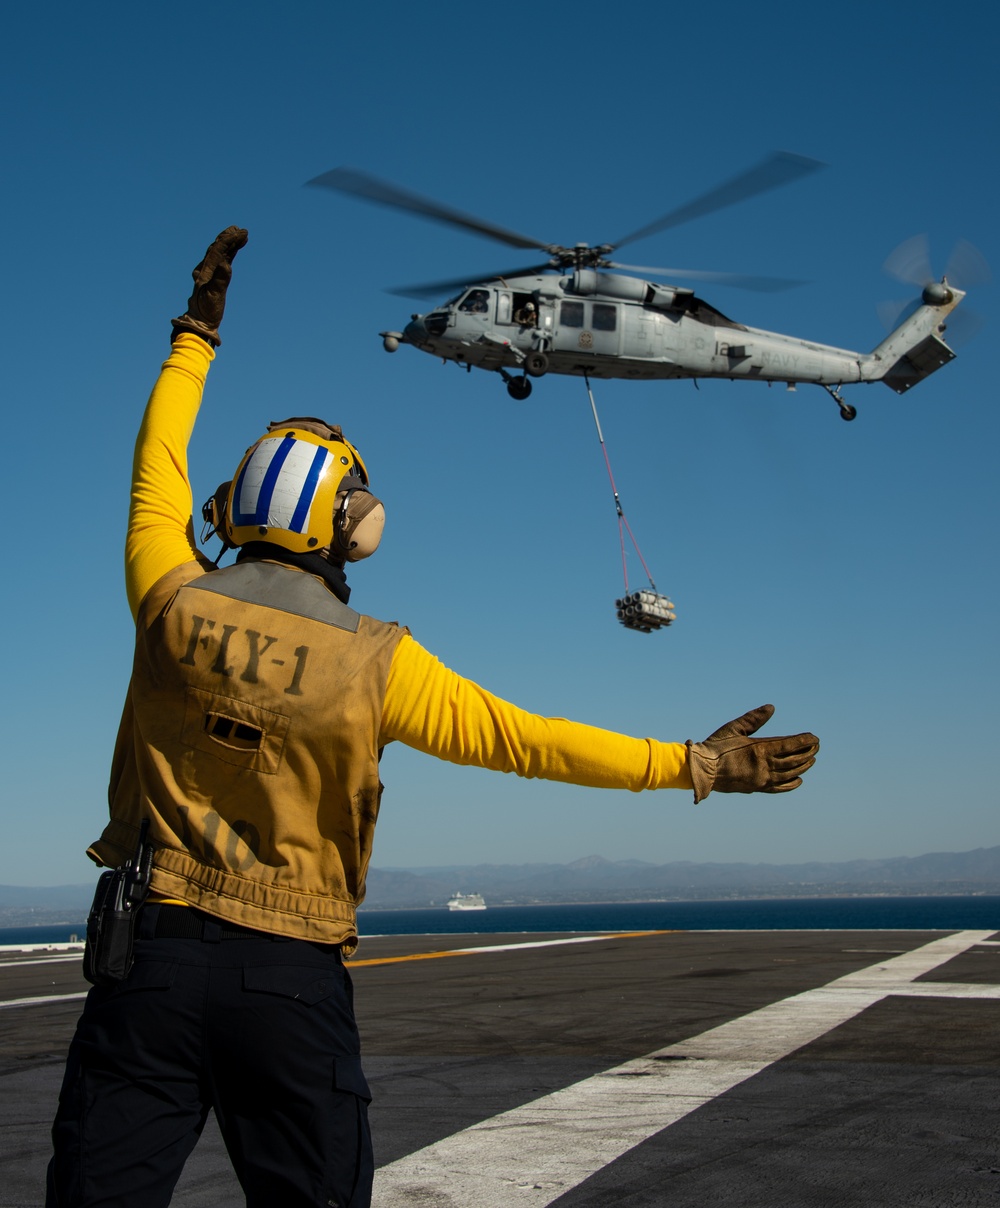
(186, 923)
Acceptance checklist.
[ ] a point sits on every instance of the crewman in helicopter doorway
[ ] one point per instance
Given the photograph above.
(243, 798)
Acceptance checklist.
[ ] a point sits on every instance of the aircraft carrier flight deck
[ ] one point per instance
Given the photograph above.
(767, 1069)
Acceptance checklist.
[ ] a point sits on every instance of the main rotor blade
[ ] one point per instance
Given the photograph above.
(443, 289)
(779, 168)
(764, 285)
(360, 184)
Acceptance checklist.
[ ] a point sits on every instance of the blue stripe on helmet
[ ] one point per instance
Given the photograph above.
(260, 515)
(301, 513)
(239, 516)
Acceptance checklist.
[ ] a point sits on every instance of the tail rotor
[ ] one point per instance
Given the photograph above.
(910, 263)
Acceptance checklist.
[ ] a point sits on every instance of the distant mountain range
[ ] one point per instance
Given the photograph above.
(595, 879)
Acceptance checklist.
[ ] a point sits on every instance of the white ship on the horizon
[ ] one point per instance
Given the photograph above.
(467, 901)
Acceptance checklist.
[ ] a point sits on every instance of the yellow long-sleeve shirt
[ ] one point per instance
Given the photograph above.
(427, 706)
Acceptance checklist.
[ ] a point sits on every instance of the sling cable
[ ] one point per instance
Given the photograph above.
(643, 610)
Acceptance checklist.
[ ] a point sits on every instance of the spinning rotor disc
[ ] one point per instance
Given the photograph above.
(774, 171)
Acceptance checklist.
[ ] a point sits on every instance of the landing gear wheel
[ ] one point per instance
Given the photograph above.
(519, 388)
(536, 363)
(846, 410)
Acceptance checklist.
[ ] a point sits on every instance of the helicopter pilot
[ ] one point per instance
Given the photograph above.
(476, 302)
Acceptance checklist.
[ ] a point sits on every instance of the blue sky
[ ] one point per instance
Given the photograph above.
(846, 572)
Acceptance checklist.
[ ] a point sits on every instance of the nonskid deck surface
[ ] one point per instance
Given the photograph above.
(776, 1069)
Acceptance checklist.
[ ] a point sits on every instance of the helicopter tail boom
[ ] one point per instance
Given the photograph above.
(915, 349)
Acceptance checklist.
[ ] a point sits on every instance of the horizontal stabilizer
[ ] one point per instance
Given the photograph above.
(918, 363)
(915, 349)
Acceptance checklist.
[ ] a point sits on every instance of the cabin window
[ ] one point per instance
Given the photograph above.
(571, 314)
(476, 302)
(605, 316)
(503, 308)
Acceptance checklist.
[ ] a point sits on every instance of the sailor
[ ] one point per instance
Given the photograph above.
(526, 315)
(248, 751)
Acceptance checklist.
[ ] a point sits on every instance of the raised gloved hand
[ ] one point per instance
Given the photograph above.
(730, 761)
(211, 280)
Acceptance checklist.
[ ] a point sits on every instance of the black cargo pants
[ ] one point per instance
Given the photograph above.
(258, 1028)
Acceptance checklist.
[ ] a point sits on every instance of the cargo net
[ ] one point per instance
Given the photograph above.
(643, 610)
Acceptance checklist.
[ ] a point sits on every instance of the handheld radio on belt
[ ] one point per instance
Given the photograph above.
(107, 955)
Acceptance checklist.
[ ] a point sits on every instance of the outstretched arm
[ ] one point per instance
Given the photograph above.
(436, 711)
(432, 709)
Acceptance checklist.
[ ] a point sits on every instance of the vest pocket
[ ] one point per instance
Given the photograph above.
(234, 731)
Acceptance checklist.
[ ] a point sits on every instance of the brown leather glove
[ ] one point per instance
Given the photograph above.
(211, 280)
(730, 761)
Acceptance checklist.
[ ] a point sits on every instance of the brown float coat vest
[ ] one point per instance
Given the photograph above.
(250, 739)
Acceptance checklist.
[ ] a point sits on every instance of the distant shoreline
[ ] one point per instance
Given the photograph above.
(14, 923)
(704, 900)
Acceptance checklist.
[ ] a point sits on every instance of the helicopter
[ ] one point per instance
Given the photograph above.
(570, 315)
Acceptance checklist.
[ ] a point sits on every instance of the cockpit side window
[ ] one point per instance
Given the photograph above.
(475, 302)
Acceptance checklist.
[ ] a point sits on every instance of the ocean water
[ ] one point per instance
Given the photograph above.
(778, 914)
(772, 914)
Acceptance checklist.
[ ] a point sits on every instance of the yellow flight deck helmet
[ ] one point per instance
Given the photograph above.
(304, 487)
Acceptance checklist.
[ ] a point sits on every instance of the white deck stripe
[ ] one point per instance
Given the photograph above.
(68, 946)
(535, 1153)
(41, 960)
(42, 1000)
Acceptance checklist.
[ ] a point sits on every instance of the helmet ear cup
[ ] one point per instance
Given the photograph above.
(358, 525)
